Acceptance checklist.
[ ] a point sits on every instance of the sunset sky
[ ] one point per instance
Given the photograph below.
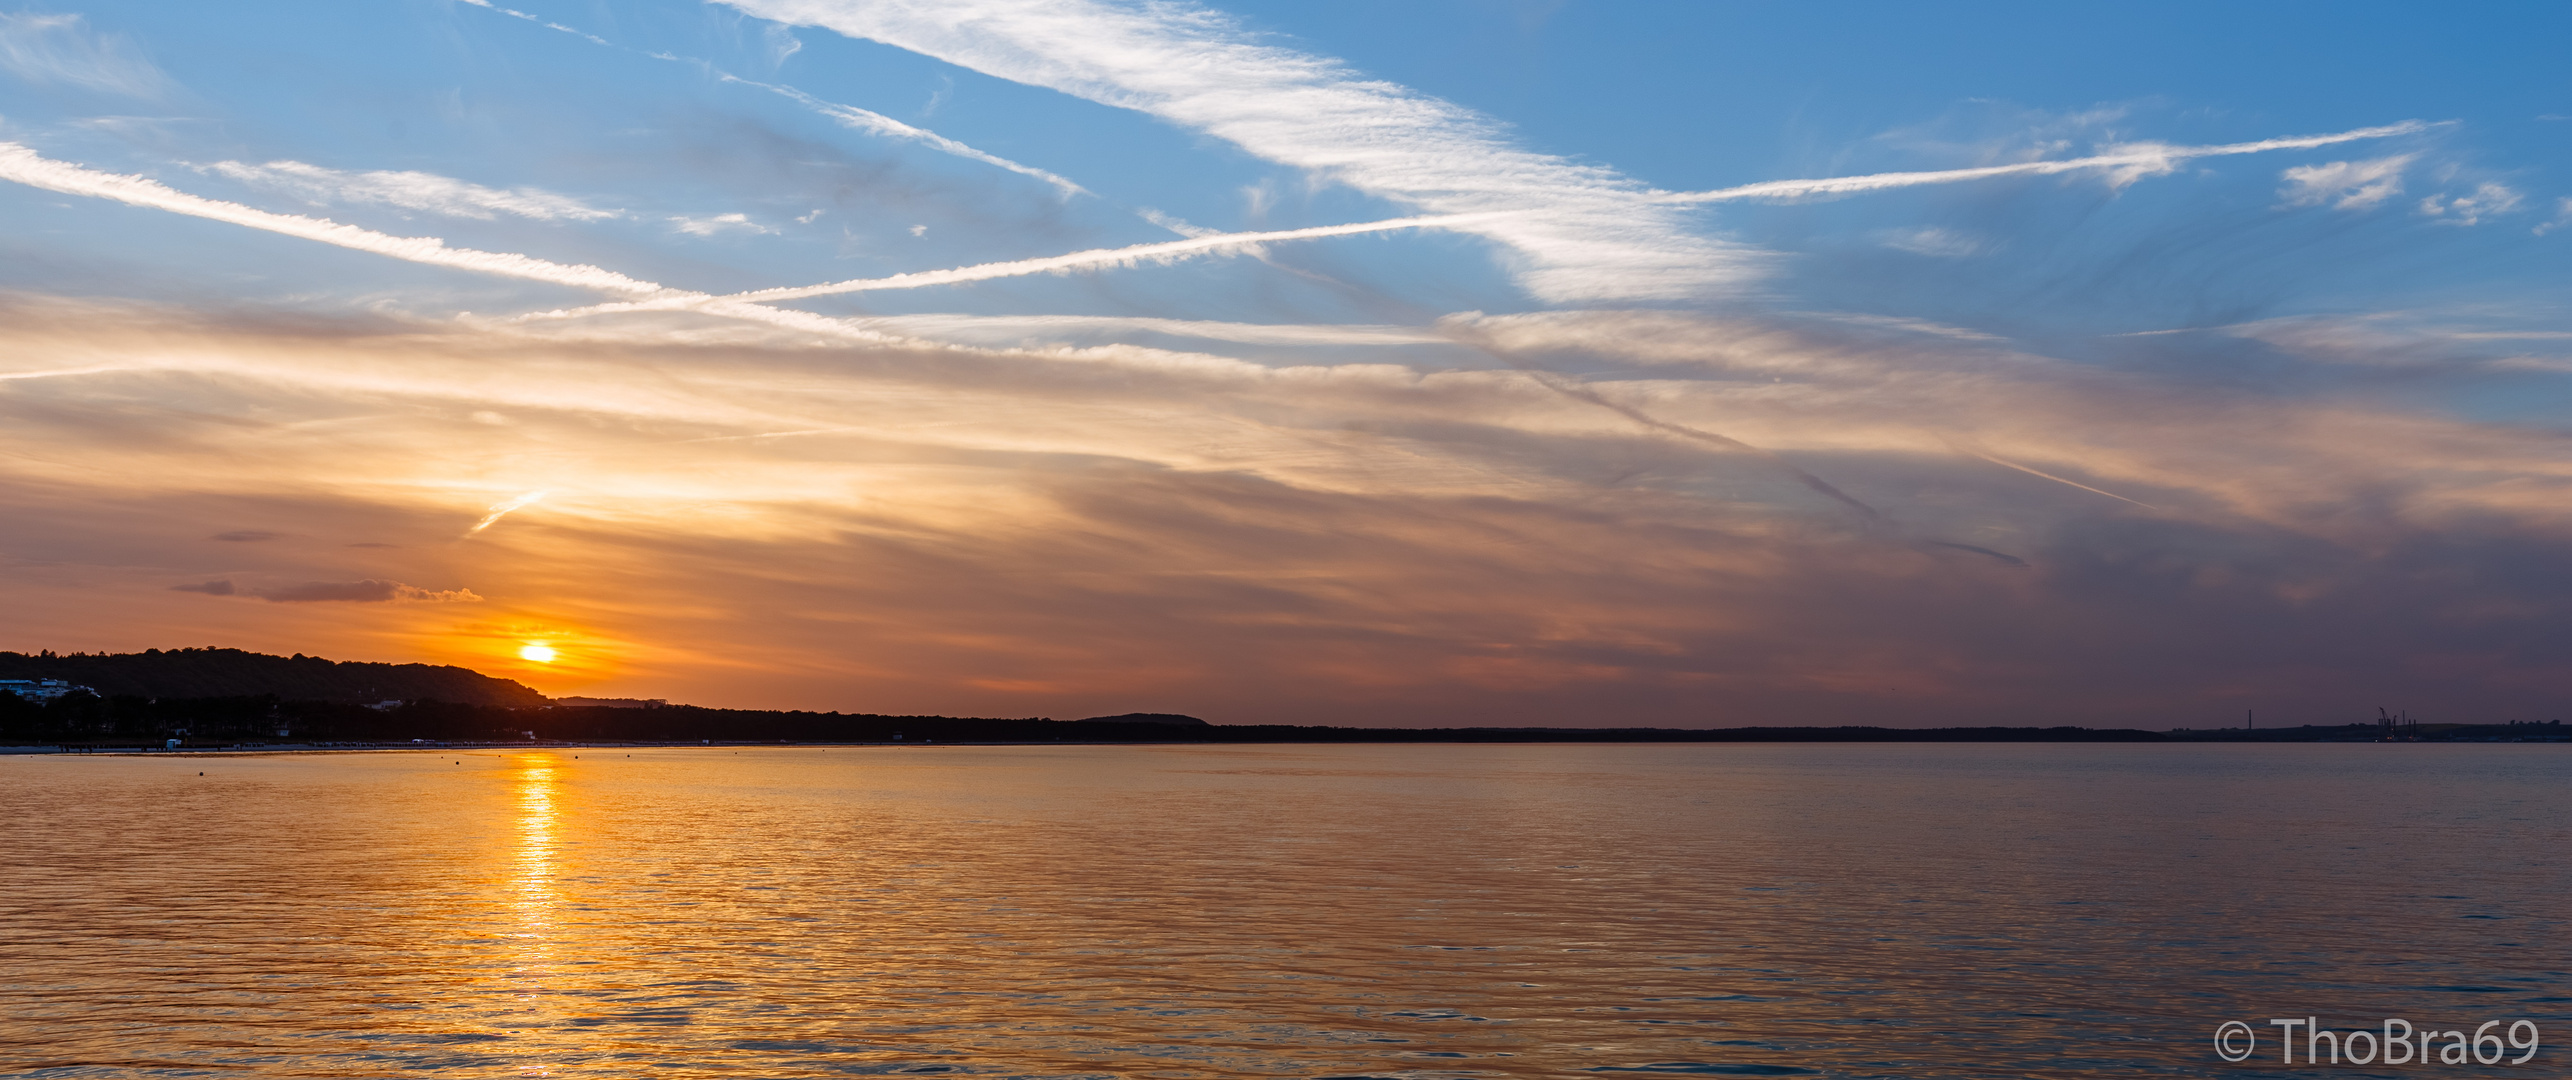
(1439, 363)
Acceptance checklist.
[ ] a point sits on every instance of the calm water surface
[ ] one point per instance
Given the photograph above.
(1403, 911)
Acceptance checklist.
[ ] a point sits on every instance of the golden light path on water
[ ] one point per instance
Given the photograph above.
(1425, 912)
(536, 891)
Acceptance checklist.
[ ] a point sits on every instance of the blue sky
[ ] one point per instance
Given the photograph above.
(2251, 324)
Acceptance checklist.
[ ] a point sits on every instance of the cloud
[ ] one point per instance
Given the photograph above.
(1575, 231)
(1022, 531)
(2123, 165)
(246, 535)
(1013, 329)
(2486, 200)
(25, 166)
(720, 223)
(1135, 255)
(421, 191)
(750, 304)
(514, 13)
(875, 123)
(1933, 242)
(369, 591)
(503, 509)
(2562, 217)
(210, 588)
(61, 49)
(2346, 185)
(782, 44)
(2399, 341)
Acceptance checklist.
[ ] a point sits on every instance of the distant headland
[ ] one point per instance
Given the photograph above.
(223, 673)
(218, 698)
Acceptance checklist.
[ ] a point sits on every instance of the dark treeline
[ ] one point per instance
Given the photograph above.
(132, 720)
(129, 720)
(228, 673)
(2553, 731)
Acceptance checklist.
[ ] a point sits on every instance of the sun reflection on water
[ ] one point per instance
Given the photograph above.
(536, 894)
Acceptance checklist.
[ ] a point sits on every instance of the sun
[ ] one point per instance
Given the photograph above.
(537, 651)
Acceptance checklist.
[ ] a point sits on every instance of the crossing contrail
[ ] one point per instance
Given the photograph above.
(27, 167)
(2136, 159)
(1165, 251)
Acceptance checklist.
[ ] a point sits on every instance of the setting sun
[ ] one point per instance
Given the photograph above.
(542, 654)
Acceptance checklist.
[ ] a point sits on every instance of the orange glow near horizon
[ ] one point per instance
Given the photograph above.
(549, 653)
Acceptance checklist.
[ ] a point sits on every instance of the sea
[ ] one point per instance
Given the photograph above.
(1417, 911)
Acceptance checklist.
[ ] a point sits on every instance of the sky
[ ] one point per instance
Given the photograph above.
(1429, 364)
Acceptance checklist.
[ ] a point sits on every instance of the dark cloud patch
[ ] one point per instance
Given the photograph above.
(210, 588)
(369, 591)
(2012, 560)
(246, 536)
(371, 544)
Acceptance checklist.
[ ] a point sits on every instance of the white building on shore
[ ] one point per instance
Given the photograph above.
(42, 689)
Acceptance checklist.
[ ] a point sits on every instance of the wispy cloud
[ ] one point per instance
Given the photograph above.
(1168, 251)
(2346, 185)
(421, 191)
(1349, 533)
(25, 166)
(1933, 242)
(2562, 216)
(713, 224)
(2418, 344)
(2122, 165)
(1007, 329)
(2486, 200)
(503, 509)
(2033, 471)
(875, 123)
(364, 591)
(850, 116)
(1576, 231)
(548, 24)
(63, 50)
(369, 591)
(1135, 255)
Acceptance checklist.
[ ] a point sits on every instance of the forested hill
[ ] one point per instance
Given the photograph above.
(211, 673)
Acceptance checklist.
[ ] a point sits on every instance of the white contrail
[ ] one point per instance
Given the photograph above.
(876, 123)
(1583, 232)
(2052, 477)
(27, 167)
(2133, 160)
(411, 191)
(1019, 327)
(546, 23)
(866, 120)
(501, 510)
(1165, 251)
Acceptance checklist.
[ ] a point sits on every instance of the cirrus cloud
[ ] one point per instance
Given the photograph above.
(411, 190)
(368, 591)
(2346, 185)
(63, 50)
(2486, 200)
